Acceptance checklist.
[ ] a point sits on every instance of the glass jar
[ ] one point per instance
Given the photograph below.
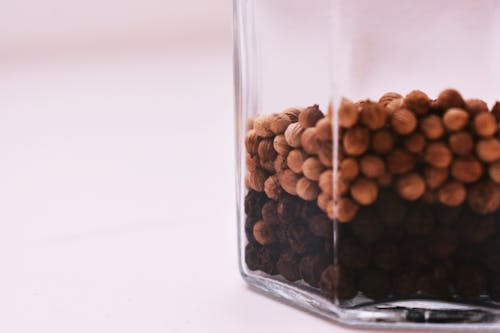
(369, 158)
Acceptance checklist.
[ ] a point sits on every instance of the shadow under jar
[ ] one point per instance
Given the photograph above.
(369, 158)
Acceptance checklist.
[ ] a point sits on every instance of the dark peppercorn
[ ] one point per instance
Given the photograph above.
(386, 256)
(494, 287)
(428, 285)
(253, 203)
(470, 281)
(449, 98)
(249, 224)
(337, 282)
(415, 254)
(320, 225)
(366, 225)
(270, 212)
(310, 209)
(391, 208)
(443, 242)
(419, 221)
(375, 284)
(311, 267)
(353, 255)
(300, 239)
(475, 229)
(405, 283)
(289, 209)
(490, 254)
(260, 258)
(288, 265)
(447, 215)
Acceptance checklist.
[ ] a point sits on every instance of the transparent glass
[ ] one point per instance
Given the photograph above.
(369, 158)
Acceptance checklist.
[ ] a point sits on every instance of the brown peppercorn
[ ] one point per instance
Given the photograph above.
(383, 141)
(266, 150)
(280, 145)
(252, 141)
(356, 141)
(432, 127)
(309, 141)
(312, 168)
(293, 114)
(450, 98)
(337, 282)
(349, 168)
(488, 150)
(410, 186)
(415, 143)
(485, 124)
(435, 177)
(326, 182)
(475, 106)
(288, 181)
(272, 187)
(325, 154)
(455, 119)
(307, 189)
(375, 284)
(344, 210)
(263, 232)
(495, 110)
(438, 154)
(310, 116)
(418, 102)
(394, 105)
(341, 184)
(461, 143)
(252, 162)
(311, 267)
(452, 193)
(400, 161)
(364, 191)
(348, 113)
(255, 180)
(494, 171)
(403, 121)
(484, 197)
(372, 166)
(373, 115)
(295, 160)
(324, 200)
(293, 134)
(385, 180)
(324, 129)
(389, 97)
(279, 122)
(261, 126)
(279, 163)
(467, 169)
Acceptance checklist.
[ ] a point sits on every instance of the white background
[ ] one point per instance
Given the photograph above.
(117, 206)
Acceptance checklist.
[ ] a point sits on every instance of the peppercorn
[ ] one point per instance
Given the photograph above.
(485, 124)
(249, 224)
(337, 282)
(488, 150)
(320, 226)
(356, 141)
(443, 242)
(288, 181)
(293, 114)
(438, 155)
(455, 119)
(280, 164)
(461, 143)
(325, 154)
(252, 162)
(385, 180)
(452, 193)
(394, 105)
(405, 283)
(309, 141)
(389, 97)
(312, 168)
(383, 141)
(494, 171)
(415, 253)
(400, 161)
(410, 186)
(307, 189)
(375, 284)
(386, 256)
(475, 106)
(372, 166)
(475, 229)
(311, 267)
(435, 177)
(495, 110)
(353, 255)
(447, 215)
(366, 226)
(490, 254)
(263, 233)
(293, 134)
(310, 116)
(373, 115)
(295, 160)
(289, 209)
(299, 238)
(344, 210)
(280, 145)
(324, 129)
(467, 169)
(288, 265)
(419, 221)
(428, 285)
(415, 143)
(484, 197)
(324, 200)
(252, 141)
(261, 126)
(403, 121)
(253, 203)
(470, 281)
(494, 287)
(272, 187)
(430, 196)
(349, 168)
(270, 212)
(364, 191)
(391, 208)
(418, 102)
(348, 113)
(258, 257)
(450, 98)
(432, 127)
(279, 123)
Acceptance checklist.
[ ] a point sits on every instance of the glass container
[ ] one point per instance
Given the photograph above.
(369, 158)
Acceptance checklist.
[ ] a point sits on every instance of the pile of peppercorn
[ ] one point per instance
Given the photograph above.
(415, 190)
